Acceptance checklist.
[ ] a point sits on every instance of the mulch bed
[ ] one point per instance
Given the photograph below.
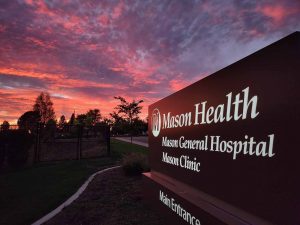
(111, 198)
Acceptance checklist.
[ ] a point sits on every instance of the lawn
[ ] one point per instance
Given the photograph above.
(27, 195)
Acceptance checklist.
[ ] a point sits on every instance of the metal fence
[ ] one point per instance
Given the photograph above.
(53, 142)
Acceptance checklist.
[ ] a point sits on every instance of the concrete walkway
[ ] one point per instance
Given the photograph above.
(142, 140)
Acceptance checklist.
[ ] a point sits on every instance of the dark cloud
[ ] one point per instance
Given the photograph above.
(11, 81)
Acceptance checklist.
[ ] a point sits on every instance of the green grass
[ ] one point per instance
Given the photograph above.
(27, 195)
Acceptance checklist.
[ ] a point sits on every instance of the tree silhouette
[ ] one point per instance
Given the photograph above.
(127, 113)
(107, 121)
(5, 126)
(72, 119)
(81, 119)
(29, 120)
(117, 119)
(62, 122)
(129, 110)
(93, 116)
(44, 106)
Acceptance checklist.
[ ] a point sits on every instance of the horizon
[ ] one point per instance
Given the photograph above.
(85, 54)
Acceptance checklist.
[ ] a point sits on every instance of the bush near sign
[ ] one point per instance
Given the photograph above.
(225, 149)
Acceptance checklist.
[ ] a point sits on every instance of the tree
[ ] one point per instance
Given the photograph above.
(5, 126)
(127, 113)
(129, 110)
(116, 118)
(62, 122)
(44, 106)
(118, 124)
(139, 126)
(29, 120)
(107, 121)
(72, 119)
(81, 119)
(93, 117)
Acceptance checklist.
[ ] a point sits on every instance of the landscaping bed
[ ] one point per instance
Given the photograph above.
(111, 198)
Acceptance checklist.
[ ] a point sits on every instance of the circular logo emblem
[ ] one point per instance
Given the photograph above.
(156, 122)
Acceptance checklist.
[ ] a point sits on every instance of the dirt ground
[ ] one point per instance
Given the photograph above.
(110, 199)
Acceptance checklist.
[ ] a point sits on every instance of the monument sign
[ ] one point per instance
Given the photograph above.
(225, 150)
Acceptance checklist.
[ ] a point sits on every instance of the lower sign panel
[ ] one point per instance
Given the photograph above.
(180, 204)
(172, 207)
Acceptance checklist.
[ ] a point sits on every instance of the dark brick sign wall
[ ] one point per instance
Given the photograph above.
(234, 135)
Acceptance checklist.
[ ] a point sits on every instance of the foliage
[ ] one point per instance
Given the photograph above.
(17, 151)
(29, 120)
(5, 126)
(123, 127)
(51, 122)
(93, 116)
(81, 119)
(116, 118)
(139, 127)
(72, 119)
(128, 110)
(107, 121)
(62, 122)
(44, 106)
(90, 118)
(126, 120)
(135, 164)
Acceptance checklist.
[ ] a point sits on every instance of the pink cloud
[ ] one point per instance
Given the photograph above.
(104, 20)
(178, 84)
(85, 53)
(117, 11)
(277, 12)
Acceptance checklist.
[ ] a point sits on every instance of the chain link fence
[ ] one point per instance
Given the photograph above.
(53, 142)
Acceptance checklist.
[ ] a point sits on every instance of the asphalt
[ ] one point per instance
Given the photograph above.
(141, 140)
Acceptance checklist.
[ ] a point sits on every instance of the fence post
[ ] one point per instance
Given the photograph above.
(80, 141)
(38, 135)
(108, 139)
(131, 131)
(36, 143)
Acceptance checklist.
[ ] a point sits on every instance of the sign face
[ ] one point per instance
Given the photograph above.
(235, 134)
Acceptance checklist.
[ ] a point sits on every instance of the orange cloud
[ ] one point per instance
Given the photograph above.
(62, 89)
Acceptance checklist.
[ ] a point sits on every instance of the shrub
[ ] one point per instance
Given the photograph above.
(135, 164)
(18, 143)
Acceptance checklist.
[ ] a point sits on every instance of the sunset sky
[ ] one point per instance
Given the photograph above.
(85, 52)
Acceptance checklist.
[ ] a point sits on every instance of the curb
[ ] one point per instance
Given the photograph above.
(71, 199)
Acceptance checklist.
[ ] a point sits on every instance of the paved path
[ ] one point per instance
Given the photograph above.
(143, 140)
